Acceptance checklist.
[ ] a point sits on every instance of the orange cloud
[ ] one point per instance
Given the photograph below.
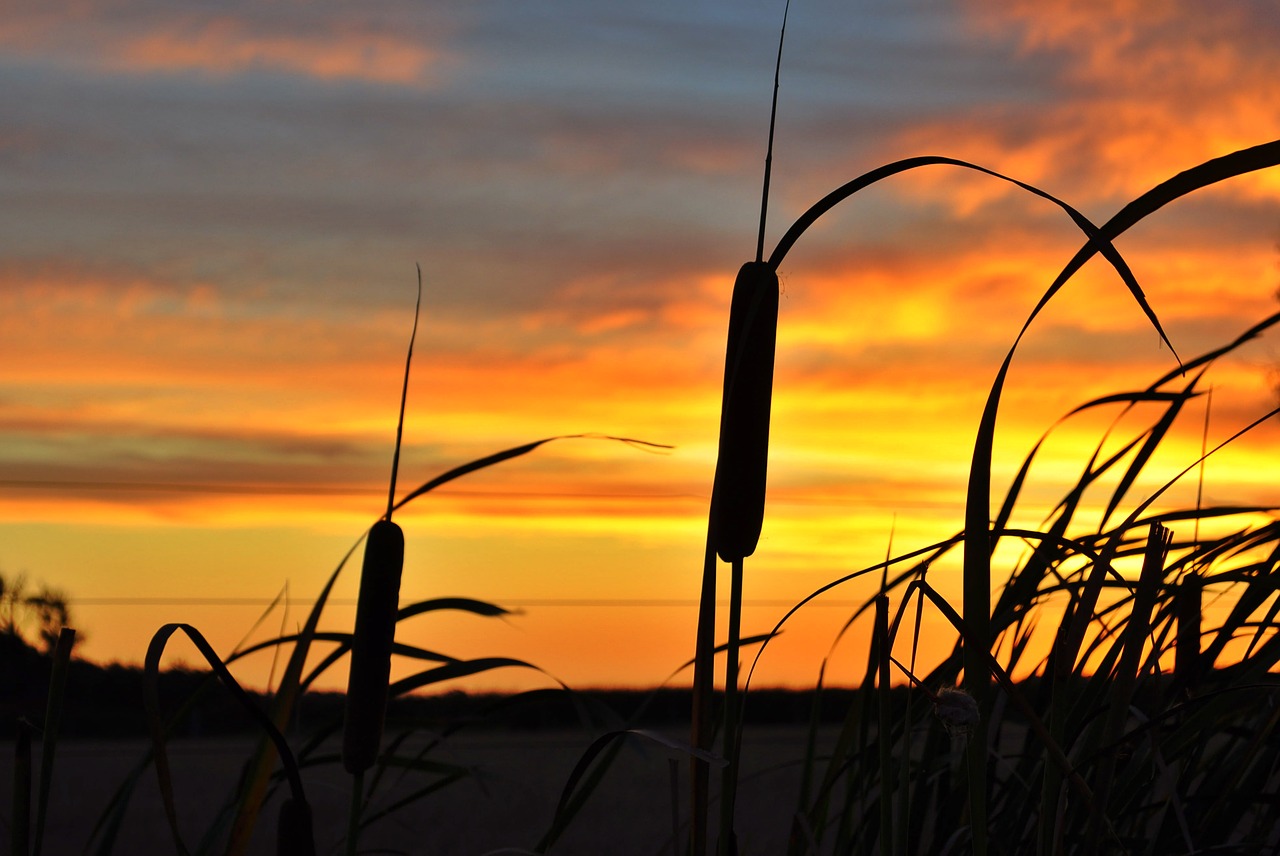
(225, 45)
(1141, 91)
(171, 40)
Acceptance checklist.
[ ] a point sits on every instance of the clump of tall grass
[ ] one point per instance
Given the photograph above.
(1136, 731)
(1101, 750)
(737, 510)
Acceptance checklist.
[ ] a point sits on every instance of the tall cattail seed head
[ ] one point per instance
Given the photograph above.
(737, 499)
(371, 646)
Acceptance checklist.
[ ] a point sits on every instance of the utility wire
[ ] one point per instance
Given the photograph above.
(338, 490)
(516, 602)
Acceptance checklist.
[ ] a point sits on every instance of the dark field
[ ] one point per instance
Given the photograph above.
(508, 803)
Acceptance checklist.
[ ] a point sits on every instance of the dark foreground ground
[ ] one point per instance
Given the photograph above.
(518, 751)
(508, 802)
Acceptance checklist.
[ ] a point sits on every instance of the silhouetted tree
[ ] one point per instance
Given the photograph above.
(33, 617)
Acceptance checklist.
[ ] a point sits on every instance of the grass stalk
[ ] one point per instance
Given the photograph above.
(703, 693)
(884, 723)
(52, 720)
(1125, 676)
(902, 828)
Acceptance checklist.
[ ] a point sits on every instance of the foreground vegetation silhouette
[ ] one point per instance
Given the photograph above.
(1146, 728)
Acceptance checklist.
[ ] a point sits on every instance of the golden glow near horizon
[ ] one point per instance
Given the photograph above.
(207, 269)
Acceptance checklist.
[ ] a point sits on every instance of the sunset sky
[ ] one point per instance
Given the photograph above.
(212, 212)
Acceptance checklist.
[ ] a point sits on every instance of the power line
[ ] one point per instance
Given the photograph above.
(506, 603)
(302, 490)
(351, 490)
(185, 487)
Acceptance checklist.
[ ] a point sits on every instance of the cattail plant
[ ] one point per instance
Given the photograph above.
(738, 494)
(737, 503)
(368, 681)
(368, 684)
(737, 497)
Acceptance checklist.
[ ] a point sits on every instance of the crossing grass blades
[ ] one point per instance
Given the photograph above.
(370, 646)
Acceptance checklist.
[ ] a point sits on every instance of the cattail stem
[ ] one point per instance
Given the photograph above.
(732, 725)
(353, 816)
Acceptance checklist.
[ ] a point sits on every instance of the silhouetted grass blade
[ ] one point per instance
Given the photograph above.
(151, 698)
(61, 664)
